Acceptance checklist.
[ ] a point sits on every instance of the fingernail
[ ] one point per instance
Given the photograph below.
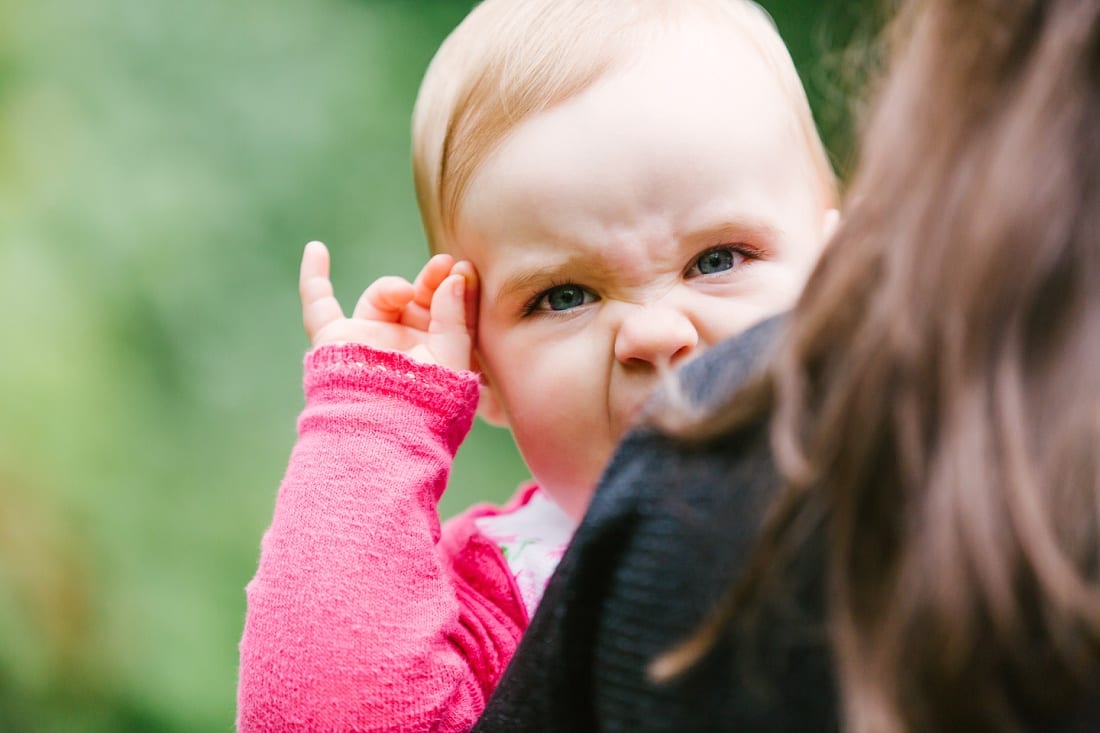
(459, 287)
(465, 269)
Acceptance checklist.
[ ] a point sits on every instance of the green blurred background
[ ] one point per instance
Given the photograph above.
(161, 165)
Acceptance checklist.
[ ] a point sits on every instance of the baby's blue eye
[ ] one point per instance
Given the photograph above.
(562, 298)
(565, 297)
(716, 260)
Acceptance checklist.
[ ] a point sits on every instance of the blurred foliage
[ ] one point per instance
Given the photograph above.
(161, 164)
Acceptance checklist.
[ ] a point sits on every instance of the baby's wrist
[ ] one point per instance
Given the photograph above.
(351, 354)
(362, 367)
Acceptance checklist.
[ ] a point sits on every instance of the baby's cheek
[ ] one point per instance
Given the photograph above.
(775, 287)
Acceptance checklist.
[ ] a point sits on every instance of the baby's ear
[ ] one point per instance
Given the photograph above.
(489, 407)
(829, 223)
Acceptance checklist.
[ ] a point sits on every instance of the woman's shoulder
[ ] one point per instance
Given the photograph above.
(649, 462)
(670, 530)
(672, 517)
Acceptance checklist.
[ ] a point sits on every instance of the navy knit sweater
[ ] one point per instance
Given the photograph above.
(669, 531)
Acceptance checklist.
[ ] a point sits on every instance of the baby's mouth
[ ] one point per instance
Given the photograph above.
(628, 403)
(628, 417)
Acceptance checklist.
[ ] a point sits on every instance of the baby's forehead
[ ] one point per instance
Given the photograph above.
(741, 33)
(710, 50)
(720, 39)
(519, 60)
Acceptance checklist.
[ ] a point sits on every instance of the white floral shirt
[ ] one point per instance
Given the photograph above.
(532, 539)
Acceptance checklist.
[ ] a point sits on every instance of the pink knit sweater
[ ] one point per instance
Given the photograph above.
(364, 615)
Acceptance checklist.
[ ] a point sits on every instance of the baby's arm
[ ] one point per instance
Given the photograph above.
(354, 621)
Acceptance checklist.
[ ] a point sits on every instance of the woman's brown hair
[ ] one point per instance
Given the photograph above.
(936, 398)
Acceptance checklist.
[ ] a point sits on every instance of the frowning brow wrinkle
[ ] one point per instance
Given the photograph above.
(603, 264)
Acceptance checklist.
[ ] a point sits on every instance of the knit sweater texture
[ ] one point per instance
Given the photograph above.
(670, 529)
(365, 614)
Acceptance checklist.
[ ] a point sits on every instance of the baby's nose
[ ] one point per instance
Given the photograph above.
(655, 334)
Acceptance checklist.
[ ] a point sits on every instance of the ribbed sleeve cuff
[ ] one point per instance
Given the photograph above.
(359, 367)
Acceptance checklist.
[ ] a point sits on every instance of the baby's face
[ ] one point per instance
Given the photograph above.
(669, 206)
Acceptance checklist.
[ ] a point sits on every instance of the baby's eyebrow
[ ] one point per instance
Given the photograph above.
(524, 280)
(738, 228)
(520, 282)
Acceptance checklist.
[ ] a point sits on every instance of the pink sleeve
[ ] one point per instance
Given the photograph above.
(356, 618)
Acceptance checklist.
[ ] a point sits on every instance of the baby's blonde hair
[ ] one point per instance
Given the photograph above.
(511, 59)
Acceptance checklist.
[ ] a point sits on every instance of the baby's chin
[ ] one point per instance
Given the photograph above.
(572, 502)
(570, 475)
(573, 493)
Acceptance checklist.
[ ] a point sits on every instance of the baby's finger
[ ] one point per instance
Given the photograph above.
(431, 275)
(449, 337)
(418, 314)
(319, 305)
(467, 271)
(315, 261)
(384, 300)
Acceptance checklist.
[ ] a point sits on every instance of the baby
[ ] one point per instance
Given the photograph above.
(610, 186)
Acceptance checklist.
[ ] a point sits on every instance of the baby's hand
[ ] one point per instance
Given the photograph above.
(431, 320)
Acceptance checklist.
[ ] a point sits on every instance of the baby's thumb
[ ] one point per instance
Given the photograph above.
(448, 335)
